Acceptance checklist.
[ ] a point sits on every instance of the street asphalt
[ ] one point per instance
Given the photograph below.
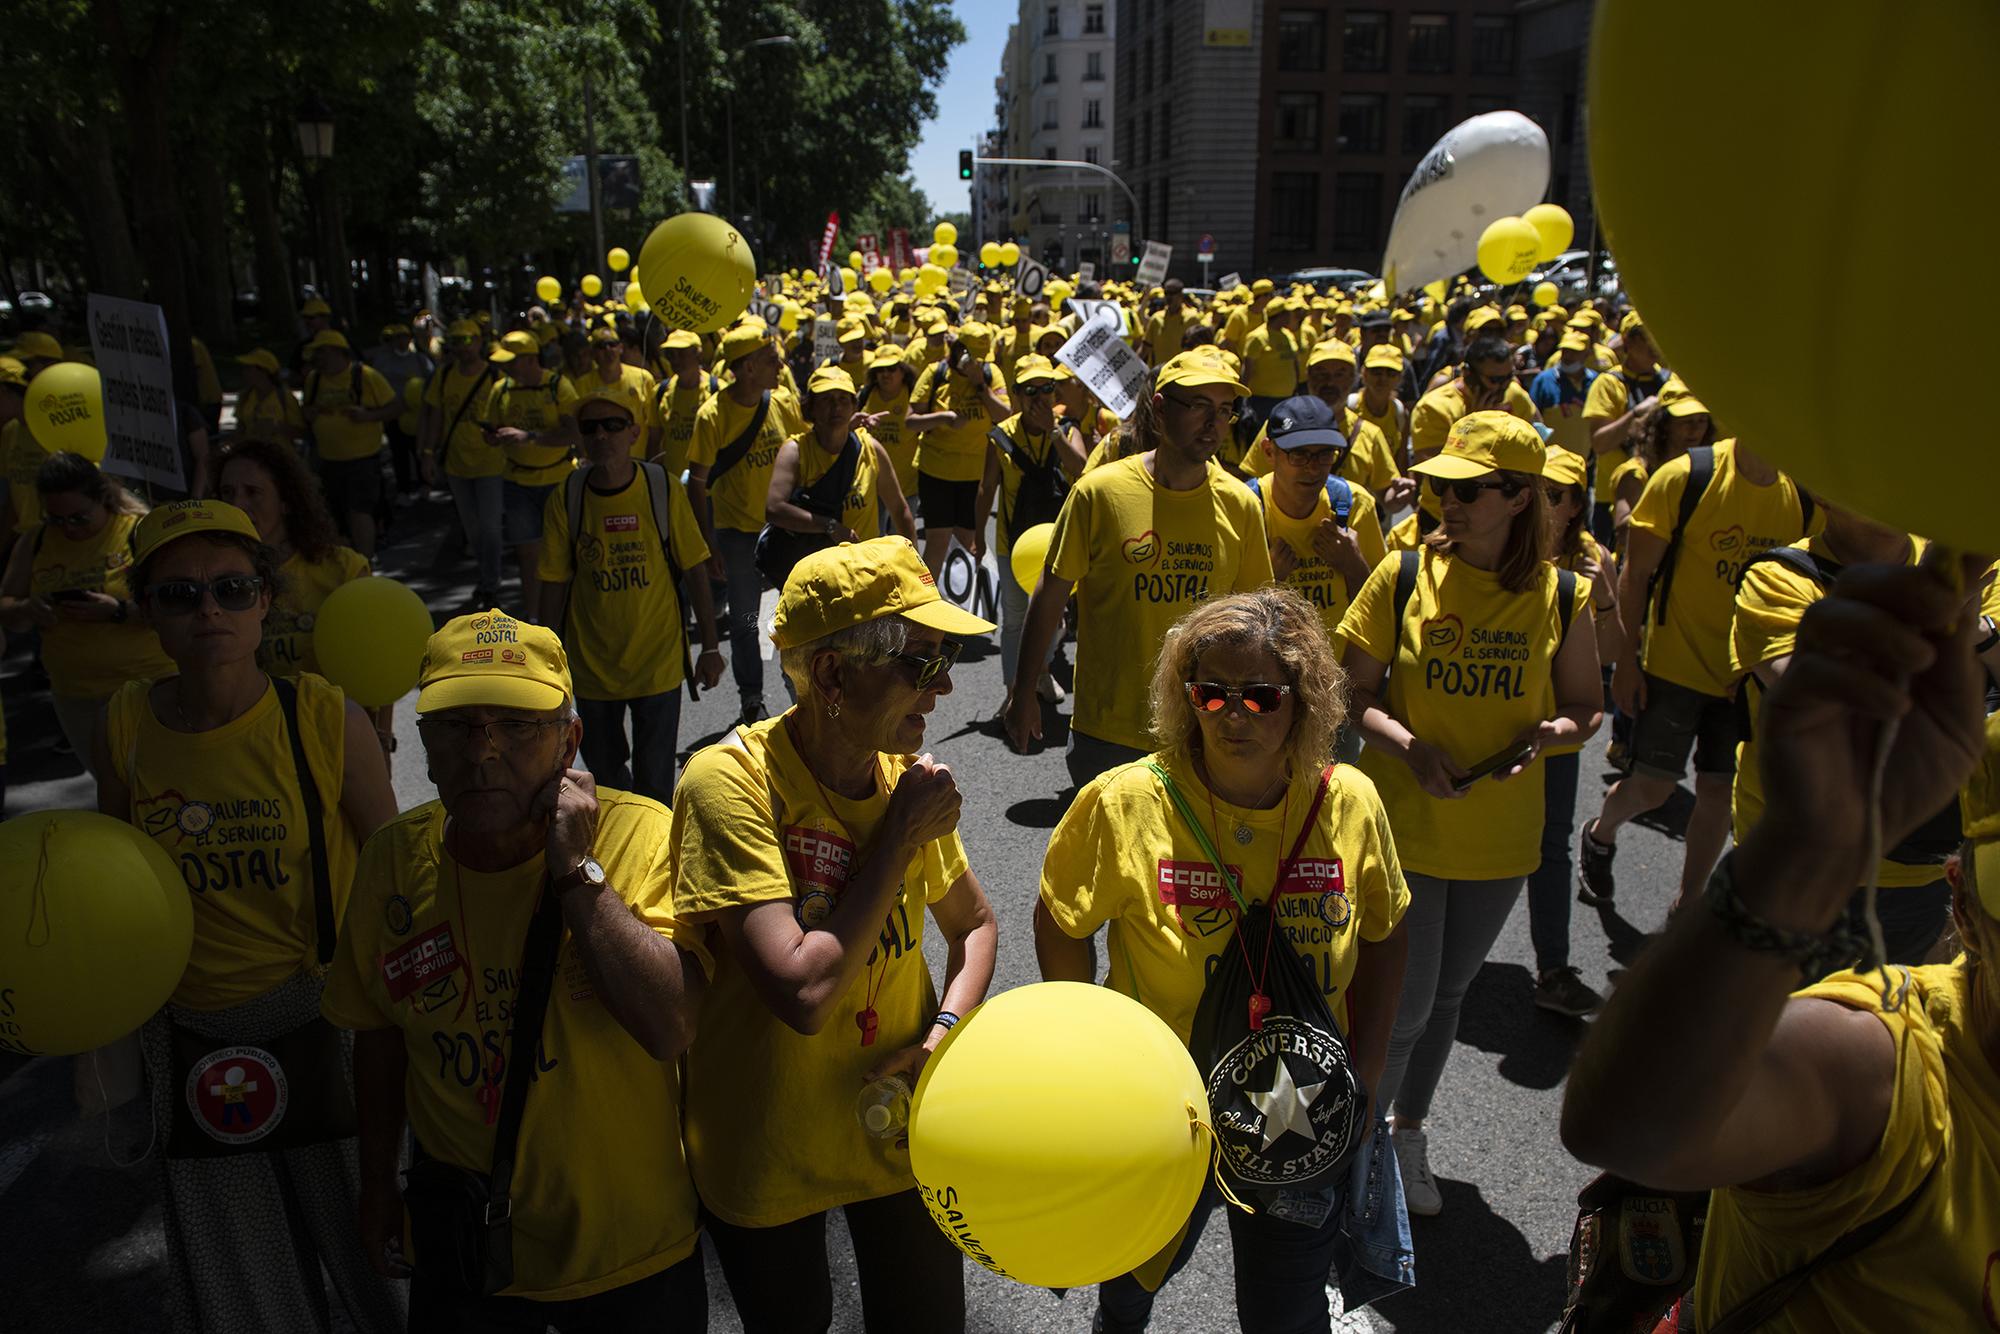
(80, 1237)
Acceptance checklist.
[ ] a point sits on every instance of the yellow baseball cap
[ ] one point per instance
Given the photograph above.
(1516, 313)
(489, 658)
(618, 393)
(604, 336)
(932, 321)
(977, 337)
(261, 358)
(462, 329)
(183, 517)
(830, 380)
(1590, 317)
(1033, 368)
(857, 582)
(852, 330)
(395, 330)
(740, 340)
(1679, 400)
(1331, 349)
(1563, 467)
(1484, 442)
(516, 344)
(328, 338)
(1630, 322)
(680, 338)
(1480, 317)
(1204, 365)
(315, 307)
(1385, 356)
(1261, 286)
(13, 372)
(885, 356)
(1575, 340)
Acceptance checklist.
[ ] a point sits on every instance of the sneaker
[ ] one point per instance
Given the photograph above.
(1595, 883)
(1050, 689)
(1420, 1188)
(1563, 991)
(753, 712)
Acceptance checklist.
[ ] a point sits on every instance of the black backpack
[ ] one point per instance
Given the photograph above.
(1043, 488)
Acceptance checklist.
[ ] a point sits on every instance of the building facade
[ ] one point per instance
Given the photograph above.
(1058, 97)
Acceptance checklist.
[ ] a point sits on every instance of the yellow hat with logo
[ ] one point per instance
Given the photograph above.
(1034, 368)
(1679, 400)
(262, 358)
(184, 517)
(1331, 349)
(857, 582)
(517, 344)
(1199, 366)
(489, 658)
(977, 337)
(604, 337)
(1563, 467)
(740, 340)
(1484, 442)
(1385, 356)
(680, 338)
(830, 380)
(618, 393)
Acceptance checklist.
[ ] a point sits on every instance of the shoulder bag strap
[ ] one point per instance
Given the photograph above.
(733, 453)
(538, 966)
(572, 510)
(1701, 470)
(323, 924)
(1565, 607)
(1406, 588)
(463, 403)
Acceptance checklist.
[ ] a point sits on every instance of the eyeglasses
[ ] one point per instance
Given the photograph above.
(1206, 409)
(603, 425)
(1036, 390)
(182, 597)
(1259, 697)
(928, 670)
(1468, 491)
(1315, 457)
(503, 733)
(80, 519)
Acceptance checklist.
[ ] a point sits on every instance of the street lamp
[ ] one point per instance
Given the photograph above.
(729, 107)
(315, 129)
(316, 147)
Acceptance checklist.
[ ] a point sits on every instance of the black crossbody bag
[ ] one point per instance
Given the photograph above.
(779, 549)
(461, 1221)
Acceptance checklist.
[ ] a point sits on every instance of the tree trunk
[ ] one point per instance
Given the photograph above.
(277, 309)
(83, 158)
(337, 283)
(214, 295)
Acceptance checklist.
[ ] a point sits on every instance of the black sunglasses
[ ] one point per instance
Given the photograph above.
(928, 670)
(1467, 490)
(81, 519)
(182, 597)
(1259, 697)
(1037, 389)
(603, 425)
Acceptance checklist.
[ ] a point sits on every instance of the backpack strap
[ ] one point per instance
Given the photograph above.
(1565, 604)
(1807, 508)
(573, 511)
(659, 494)
(1701, 471)
(323, 924)
(1406, 588)
(734, 452)
(1340, 498)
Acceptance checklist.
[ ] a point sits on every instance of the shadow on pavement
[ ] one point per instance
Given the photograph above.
(1671, 816)
(1625, 941)
(1475, 1270)
(1500, 1016)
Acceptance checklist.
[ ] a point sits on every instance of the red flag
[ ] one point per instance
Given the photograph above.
(826, 241)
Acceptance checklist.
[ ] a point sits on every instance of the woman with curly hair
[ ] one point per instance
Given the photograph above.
(1246, 700)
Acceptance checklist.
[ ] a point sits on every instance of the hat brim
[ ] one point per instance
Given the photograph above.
(1309, 439)
(1688, 407)
(947, 618)
(501, 355)
(1202, 379)
(489, 690)
(1451, 467)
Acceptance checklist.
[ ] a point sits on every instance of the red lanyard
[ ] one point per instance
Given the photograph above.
(1260, 999)
(865, 1019)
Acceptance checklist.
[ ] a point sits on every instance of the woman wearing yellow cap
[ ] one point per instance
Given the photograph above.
(957, 401)
(812, 843)
(885, 402)
(1865, 1107)
(71, 578)
(261, 793)
(1494, 662)
(266, 409)
(831, 445)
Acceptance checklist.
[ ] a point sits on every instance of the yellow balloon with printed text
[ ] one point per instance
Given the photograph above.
(698, 271)
(64, 408)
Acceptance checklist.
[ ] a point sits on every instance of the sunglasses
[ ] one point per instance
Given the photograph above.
(1038, 389)
(1259, 697)
(80, 519)
(1468, 491)
(928, 670)
(182, 597)
(603, 425)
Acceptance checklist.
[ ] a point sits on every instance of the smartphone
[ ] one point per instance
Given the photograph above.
(69, 595)
(1493, 764)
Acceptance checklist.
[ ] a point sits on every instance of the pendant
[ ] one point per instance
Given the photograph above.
(489, 1101)
(1244, 834)
(866, 1022)
(1260, 1005)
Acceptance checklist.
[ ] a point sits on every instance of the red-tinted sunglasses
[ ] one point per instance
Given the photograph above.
(1258, 697)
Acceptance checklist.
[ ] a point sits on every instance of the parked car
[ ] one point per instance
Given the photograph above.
(1326, 280)
(1570, 272)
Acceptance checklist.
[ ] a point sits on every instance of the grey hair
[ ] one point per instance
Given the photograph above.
(870, 642)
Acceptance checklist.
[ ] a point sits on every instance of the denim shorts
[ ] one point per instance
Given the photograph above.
(1677, 719)
(521, 509)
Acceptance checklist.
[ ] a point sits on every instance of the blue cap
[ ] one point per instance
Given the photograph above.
(1304, 422)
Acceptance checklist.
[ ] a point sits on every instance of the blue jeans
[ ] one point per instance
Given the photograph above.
(656, 736)
(478, 502)
(746, 588)
(1549, 886)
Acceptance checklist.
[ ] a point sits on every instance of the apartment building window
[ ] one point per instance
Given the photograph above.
(1049, 70)
(1167, 51)
(1361, 122)
(1093, 20)
(1357, 210)
(1049, 116)
(1052, 25)
(1093, 114)
(1145, 136)
(1294, 210)
(1302, 40)
(1492, 44)
(1430, 44)
(1478, 104)
(1090, 153)
(1166, 130)
(1093, 67)
(1146, 67)
(1423, 121)
(1296, 127)
(1364, 42)
(1161, 219)
(1093, 208)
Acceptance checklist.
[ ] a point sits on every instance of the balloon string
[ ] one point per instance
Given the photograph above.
(38, 904)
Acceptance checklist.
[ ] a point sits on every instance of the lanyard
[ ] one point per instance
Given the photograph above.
(866, 1019)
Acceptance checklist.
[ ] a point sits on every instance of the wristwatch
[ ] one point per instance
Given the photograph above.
(834, 529)
(585, 872)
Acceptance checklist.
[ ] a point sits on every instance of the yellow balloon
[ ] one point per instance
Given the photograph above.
(1010, 254)
(635, 297)
(618, 259)
(854, 260)
(1555, 227)
(548, 289)
(881, 279)
(944, 254)
(788, 317)
(1060, 1134)
(591, 284)
(1546, 294)
(1508, 249)
(1847, 122)
(989, 255)
(65, 410)
(698, 271)
(906, 275)
(98, 927)
(929, 279)
(849, 280)
(944, 234)
(369, 639)
(1029, 554)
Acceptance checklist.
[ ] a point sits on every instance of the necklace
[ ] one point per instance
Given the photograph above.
(1243, 833)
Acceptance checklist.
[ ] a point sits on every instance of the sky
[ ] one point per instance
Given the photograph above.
(965, 102)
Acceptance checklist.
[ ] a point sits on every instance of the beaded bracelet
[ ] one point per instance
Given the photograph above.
(1815, 956)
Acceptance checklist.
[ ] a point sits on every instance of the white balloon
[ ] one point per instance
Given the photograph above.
(1492, 166)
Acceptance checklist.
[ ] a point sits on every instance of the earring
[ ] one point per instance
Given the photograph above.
(832, 709)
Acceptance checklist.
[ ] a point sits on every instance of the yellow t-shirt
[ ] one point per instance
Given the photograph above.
(23, 458)
(643, 387)
(287, 649)
(537, 408)
(226, 808)
(771, 1129)
(1634, 467)
(1037, 448)
(1163, 334)
(1272, 362)
(1405, 536)
(957, 454)
(466, 454)
(862, 511)
(274, 416)
(623, 625)
(675, 407)
(901, 444)
(1369, 464)
(1142, 556)
(1392, 424)
(1735, 520)
(1935, 1269)
(601, 1191)
(1123, 855)
(738, 498)
(1609, 398)
(91, 659)
(1471, 669)
(1316, 581)
(1242, 321)
(1568, 427)
(338, 439)
(1431, 419)
(1109, 448)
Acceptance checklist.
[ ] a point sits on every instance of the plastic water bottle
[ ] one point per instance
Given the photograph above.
(884, 1107)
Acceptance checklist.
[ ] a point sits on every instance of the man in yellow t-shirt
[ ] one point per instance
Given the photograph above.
(1166, 328)
(531, 414)
(1140, 541)
(1674, 675)
(956, 402)
(737, 433)
(345, 403)
(1485, 380)
(608, 590)
(1272, 364)
(1615, 396)
(927, 350)
(451, 440)
(1326, 554)
(678, 397)
(609, 367)
(1248, 316)
(1015, 341)
(524, 880)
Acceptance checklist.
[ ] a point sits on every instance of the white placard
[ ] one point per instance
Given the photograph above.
(1089, 308)
(1086, 271)
(826, 340)
(1030, 277)
(1101, 359)
(1227, 281)
(971, 585)
(129, 341)
(1153, 266)
(770, 312)
(836, 284)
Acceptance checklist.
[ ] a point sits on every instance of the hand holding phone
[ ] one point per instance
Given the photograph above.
(1514, 753)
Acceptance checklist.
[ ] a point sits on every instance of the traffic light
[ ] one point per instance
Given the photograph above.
(965, 164)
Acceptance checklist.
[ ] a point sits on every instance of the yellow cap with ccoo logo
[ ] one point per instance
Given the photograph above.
(491, 659)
